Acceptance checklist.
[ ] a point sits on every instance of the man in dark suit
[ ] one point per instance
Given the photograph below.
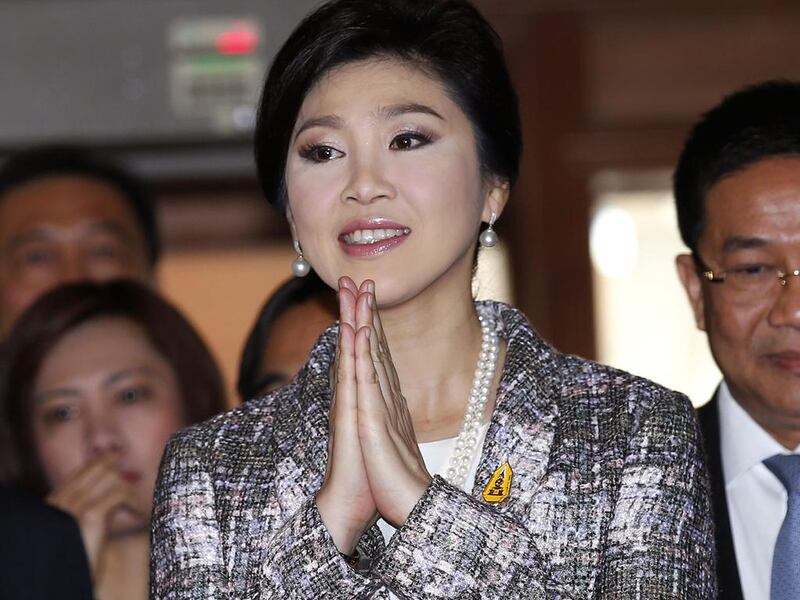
(41, 553)
(737, 189)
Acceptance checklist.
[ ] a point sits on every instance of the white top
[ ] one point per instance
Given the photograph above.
(756, 498)
(436, 456)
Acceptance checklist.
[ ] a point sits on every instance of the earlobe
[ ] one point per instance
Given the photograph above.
(690, 279)
(496, 198)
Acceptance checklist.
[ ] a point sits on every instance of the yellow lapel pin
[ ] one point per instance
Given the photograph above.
(499, 485)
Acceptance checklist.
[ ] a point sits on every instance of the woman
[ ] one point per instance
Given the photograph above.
(388, 131)
(285, 330)
(96, 378)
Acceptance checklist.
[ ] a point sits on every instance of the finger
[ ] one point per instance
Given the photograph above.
(382, 342)
(116, 498)
(86, 497)
(87, 478)
(376, 318)
(347, 307)
(347, 283)
(345, 367)
(371, 405)
(364, 309)
(343, 411)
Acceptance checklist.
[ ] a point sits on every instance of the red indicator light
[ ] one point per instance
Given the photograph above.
(236, 41)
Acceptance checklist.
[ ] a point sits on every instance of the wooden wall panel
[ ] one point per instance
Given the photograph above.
(664, 69)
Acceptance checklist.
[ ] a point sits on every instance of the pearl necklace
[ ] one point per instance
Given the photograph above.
(467, 440)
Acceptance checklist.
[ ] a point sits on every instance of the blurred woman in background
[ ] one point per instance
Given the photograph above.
(96, 378)
(285, 330)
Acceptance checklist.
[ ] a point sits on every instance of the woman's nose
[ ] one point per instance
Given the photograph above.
(102, 434)
(368, 180)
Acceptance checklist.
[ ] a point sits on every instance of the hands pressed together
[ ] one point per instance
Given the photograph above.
(374, 464)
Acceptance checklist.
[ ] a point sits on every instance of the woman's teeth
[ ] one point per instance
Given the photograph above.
(371, 236)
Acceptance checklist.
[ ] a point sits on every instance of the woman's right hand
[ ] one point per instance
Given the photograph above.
(90, 496)
(345, 501)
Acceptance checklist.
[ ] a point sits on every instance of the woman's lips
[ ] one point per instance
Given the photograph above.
(370, 237)
(130, 476)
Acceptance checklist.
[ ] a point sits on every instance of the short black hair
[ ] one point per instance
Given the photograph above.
(46, 161)
(448, 39)
(754, 123)
(293, 292)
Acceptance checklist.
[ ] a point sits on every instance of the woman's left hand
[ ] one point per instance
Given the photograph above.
(395, 468)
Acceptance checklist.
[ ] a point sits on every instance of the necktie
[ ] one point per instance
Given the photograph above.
(786, 560)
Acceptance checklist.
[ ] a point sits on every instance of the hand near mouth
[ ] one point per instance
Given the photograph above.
(374, 463)
(91, 496)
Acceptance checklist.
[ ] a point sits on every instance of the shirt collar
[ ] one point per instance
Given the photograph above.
(744, 443)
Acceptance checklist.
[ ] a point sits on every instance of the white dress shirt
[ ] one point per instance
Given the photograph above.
(756, 498)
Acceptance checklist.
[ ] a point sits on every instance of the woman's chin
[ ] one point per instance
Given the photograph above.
(124, 522)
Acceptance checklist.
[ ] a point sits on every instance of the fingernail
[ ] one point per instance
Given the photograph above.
(369, 333)
(371, 286)
(370, 300)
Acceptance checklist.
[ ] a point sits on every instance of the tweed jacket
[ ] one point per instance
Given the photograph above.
(609, 497)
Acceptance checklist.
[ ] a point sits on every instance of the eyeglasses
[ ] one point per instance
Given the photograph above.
(747, 279)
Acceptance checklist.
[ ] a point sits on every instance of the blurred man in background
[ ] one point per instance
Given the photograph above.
(68, 215)
(737, 188)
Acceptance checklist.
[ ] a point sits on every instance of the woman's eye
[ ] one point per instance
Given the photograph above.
(132, 395)
(36, 256)
(59, 414)
(409, 141)
(320, 153)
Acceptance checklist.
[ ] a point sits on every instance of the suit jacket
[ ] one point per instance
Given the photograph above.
(609, 496)
(41, 552)
(730, 588)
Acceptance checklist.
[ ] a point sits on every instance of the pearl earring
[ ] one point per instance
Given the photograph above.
(300, 266)
(488, 237)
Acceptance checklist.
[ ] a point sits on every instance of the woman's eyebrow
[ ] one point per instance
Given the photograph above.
(385, 112)
(331, 121)
(55, 393)
(397, 110)
(117, 376)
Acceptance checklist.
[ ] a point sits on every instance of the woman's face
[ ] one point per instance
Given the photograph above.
(384, 181)
(104, 391)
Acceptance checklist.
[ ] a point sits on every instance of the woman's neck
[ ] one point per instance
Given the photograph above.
(126, 568)
(435, 340)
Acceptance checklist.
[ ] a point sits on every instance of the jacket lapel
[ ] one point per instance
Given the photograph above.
(304, 416)
(523, 425)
